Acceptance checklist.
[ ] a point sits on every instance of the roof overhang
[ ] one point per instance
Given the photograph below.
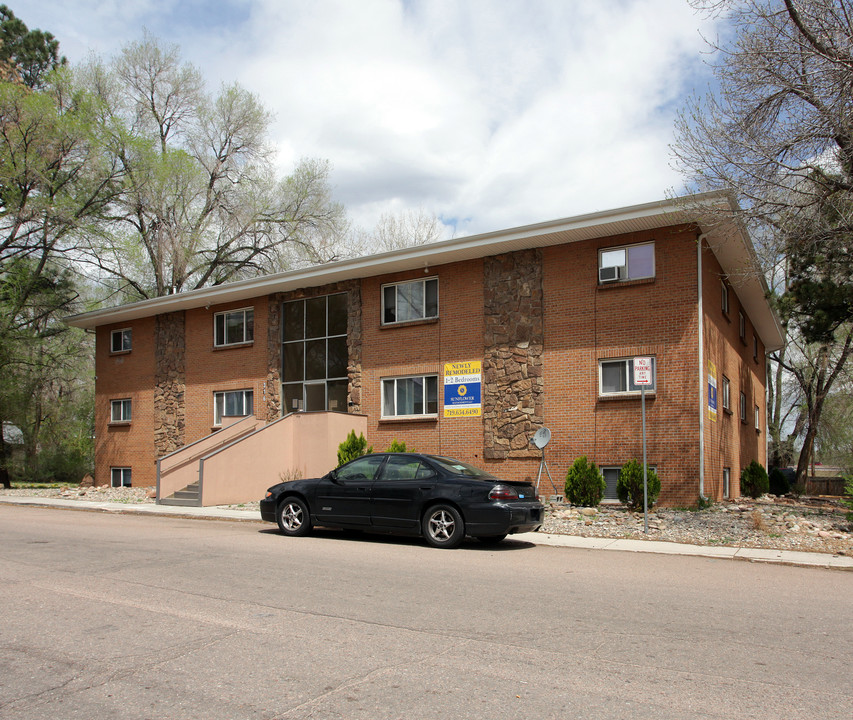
(728, 239)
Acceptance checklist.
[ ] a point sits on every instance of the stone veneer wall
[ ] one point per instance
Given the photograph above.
(169, 382)
(514, 339)
(354, 342)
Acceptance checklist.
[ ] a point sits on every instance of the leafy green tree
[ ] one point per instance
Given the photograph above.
(27, 54)
(778, 132)
(198, 202)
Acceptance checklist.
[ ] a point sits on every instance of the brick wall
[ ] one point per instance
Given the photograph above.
(583, 323)
(119, 376)
(730, 441)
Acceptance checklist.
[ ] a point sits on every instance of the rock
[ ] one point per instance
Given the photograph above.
(152, 493)
(588, 511)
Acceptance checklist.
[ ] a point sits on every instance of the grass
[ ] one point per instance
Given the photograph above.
(38, 486)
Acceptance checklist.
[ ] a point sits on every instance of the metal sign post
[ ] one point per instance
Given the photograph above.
(643, 374)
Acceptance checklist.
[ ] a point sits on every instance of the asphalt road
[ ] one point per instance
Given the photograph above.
(144, 617)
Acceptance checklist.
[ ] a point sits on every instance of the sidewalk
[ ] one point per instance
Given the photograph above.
(780, 557)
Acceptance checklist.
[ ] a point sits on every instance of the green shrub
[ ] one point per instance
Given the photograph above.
(399, 447)
(584, 483)
(629, 487)
(753, 480)
(353, 447)
(848, 491)
(778, 483)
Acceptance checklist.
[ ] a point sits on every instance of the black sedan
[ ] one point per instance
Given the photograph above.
(437, 497)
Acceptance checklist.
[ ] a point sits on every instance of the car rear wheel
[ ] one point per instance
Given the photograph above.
(443, 526)
(491, 539)
(293, 518)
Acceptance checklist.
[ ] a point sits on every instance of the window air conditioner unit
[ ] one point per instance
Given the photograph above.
(611, 274)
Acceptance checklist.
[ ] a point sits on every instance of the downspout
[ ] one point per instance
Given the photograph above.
(702, 391)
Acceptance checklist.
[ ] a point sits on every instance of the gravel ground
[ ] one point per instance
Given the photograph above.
(807, 524)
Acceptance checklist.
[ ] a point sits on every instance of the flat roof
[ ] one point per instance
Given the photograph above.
(728, 240)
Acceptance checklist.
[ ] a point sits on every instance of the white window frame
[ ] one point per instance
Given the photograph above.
(248, 335)
(727, 394)
(397, 285)
(122, 473)
(755, 347)
(725, 297)
(741, 319)
(121, 410)
(125, 343)
(743, 407)
(219, 412)
(757, 418)
(727, 482)
(629, 377)
(624, 272)
(424, 400)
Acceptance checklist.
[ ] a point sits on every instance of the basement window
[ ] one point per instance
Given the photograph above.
(120, 477)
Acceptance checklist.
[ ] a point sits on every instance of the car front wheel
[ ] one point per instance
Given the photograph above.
(293, 518)
(443, 527)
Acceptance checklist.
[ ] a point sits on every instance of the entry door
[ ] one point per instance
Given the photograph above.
(315, 396)
(346, 499)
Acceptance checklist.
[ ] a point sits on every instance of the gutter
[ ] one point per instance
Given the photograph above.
(700, 242)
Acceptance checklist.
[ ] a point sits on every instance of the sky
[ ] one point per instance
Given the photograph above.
(489, 114)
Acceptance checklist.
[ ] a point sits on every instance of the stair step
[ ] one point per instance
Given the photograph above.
(186, 494)
(184, 502)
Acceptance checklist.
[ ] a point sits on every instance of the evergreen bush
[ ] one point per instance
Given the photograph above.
(353, 447)
(779, 484)
(398, 447)
(629, 487)
(753, 480)
(584, 483)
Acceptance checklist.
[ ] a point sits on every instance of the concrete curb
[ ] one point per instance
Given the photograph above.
(779, 557)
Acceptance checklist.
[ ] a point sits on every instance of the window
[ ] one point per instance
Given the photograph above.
(727, 480)
(724, 294)
(121, 340)
(611, 479)
(234, 327)
(403, 467)
(233, 403)
(757, 418)
(120, 410)
(616, 377)
(626, 263)
(727, 394)
(742, 407)
(741, 326)
(361, 469)
(314, 354)
(410, 396)
(754, 347)
(120, 477)
(406, 301)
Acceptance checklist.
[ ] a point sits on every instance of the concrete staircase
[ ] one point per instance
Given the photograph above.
(190, 496)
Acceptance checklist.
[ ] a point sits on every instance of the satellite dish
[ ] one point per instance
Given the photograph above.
(541, 437)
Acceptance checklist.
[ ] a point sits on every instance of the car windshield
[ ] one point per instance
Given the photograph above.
(456, 467)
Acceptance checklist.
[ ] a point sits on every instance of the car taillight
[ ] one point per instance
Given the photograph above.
(269, 494)
(503, 492)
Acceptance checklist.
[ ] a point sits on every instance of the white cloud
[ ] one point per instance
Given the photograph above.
(492, 113)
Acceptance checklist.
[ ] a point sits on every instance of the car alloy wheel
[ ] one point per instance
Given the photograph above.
(293, 518)
(443, 527)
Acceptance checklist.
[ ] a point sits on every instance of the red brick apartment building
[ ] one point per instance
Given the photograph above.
(466, 347)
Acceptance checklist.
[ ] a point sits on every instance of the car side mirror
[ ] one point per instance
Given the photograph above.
(333, 475)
